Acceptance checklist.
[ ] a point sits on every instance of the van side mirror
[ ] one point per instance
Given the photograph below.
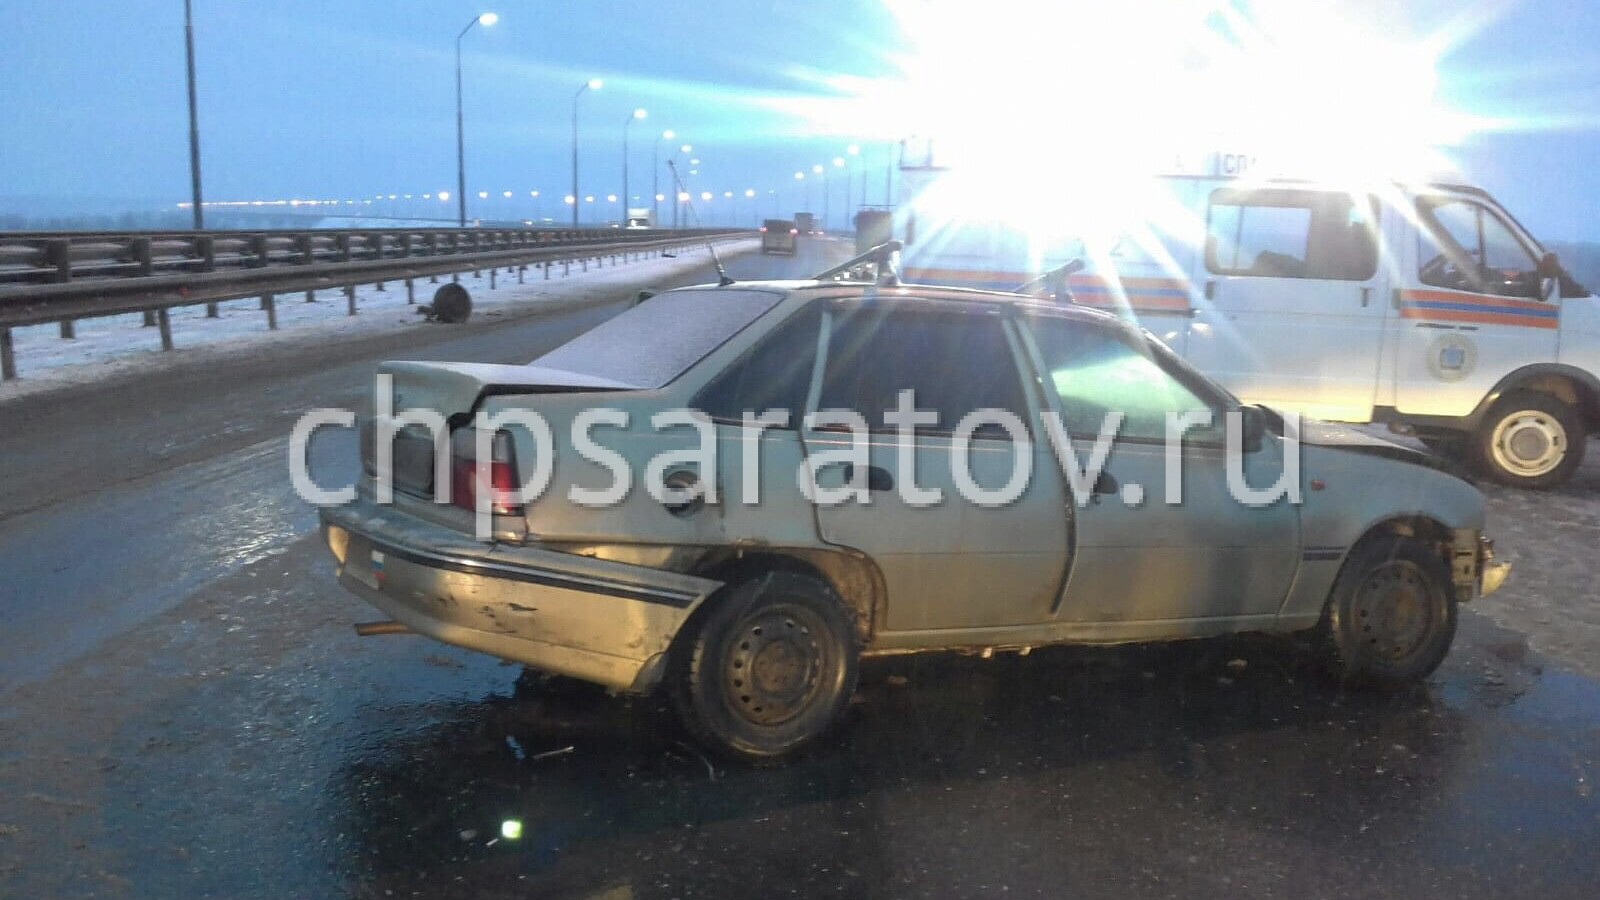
(1550, 266)
(1552, 278)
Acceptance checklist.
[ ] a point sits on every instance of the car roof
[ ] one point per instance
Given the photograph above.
(925, 292)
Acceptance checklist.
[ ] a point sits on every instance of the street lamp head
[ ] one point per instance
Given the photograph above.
(533, 193)
(640, 113)
(727, 194)
(596, 84)
(667, 135)
(853, 149)
(706, 196)
(694, 162)
(506, 194)
(488, 19)
(838, 162)
(483, 195)
(749, 192)
(683, 196)
(569, 200)
(799, 176)
(817, 169)
(444, 196)
(611, 198)
(686, 148)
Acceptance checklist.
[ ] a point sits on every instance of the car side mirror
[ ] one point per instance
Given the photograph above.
(1252, 427)
(642, 297)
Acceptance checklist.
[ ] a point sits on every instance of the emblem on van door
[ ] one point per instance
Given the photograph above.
(1452, 357)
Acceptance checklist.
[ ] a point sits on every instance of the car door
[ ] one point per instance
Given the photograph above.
(1138, 556)
(1293, 299)
(958, 562)
(1476, 313)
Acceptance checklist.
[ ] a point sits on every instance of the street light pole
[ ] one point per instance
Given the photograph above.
(194, 120)
(594, 84)
(677, 202)
(637, 114)
(655, 178)
(485, 19)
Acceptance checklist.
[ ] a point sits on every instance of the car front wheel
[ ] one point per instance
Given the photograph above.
(767, 669)
(1392, 615)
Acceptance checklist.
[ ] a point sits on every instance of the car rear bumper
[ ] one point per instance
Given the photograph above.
(605, 622)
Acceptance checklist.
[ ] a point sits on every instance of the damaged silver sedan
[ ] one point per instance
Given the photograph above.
(751, 561)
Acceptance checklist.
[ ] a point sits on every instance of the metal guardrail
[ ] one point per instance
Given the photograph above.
(60, 277)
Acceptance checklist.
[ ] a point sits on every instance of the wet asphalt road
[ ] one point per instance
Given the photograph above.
(185, 712)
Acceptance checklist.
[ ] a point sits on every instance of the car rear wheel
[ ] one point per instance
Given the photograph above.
(768, 667)
(1392, 615)
(1530, 439)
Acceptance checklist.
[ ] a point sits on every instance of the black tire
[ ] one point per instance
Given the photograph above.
(767, 668)
(1529, 439)
(1391, 617)
(452, 304)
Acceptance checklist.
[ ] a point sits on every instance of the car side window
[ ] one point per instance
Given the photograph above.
(774, 374)
(1464, 246)
(1283, 233)
(956, 363)
(1097, 371)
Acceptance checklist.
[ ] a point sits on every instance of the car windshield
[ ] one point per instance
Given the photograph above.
(658, 340)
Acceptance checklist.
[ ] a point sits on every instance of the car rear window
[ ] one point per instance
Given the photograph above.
(658, 340)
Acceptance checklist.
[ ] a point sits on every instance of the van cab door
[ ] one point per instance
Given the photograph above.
(1293, 300)
(1475, 311)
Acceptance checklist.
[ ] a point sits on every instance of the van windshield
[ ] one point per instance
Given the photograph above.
(658, 340)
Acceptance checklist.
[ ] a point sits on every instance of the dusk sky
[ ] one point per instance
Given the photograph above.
(355, 98)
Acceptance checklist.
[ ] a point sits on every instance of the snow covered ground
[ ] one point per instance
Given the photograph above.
(119, 345)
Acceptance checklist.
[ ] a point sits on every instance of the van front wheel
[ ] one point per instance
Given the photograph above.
(1530, 439)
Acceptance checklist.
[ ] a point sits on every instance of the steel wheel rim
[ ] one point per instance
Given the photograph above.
(1529, 443)
(774, 665)
(1394, 611)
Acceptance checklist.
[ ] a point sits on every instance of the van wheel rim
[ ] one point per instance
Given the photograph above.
(1394, 611)
(1529, 443)
(774, 671)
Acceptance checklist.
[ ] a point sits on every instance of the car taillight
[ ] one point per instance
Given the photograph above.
(498, 481)
(794, 231)
(763, 229)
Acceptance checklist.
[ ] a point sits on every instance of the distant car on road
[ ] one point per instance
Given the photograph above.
(752, 609)
(806, 222)
(779, 236)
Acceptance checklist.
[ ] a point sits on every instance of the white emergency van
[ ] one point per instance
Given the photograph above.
(1424, 306)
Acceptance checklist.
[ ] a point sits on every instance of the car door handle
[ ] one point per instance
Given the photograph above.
(878, 478)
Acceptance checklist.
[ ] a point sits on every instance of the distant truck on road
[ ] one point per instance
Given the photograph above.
(873, 227)
(805, 222)
(641, 217)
